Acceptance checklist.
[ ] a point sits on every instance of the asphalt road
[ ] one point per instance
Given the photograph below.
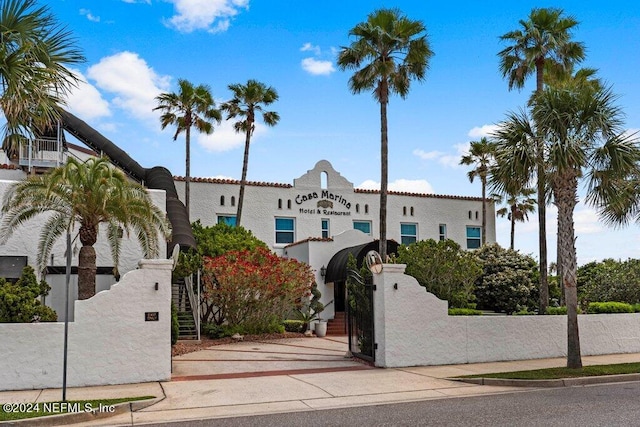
(597, 405)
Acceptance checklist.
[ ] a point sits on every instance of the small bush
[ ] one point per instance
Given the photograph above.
(556, 310)
(525, 312)
(609, 307)
(636, 308)
(464, 312)
(294, 325)
(213, 331)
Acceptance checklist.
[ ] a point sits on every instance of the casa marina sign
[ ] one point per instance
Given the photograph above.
(325, 205)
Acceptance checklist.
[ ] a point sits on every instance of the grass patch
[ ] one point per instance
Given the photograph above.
(559, 373)
(20, 411)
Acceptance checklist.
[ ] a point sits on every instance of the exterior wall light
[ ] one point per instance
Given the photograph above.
(323, 271)
(374, 262)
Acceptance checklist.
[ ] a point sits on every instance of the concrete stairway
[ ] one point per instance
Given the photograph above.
(337, 325)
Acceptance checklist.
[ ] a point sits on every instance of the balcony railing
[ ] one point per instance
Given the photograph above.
(42, 152)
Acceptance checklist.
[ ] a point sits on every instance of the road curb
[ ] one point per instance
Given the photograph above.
(562, 382)
(78, 417)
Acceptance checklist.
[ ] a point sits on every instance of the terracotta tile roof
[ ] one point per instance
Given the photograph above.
(426, 195)
(234, 182)
(8, 166)
(310, 239)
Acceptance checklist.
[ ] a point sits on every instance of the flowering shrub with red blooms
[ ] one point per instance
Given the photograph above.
(255, 288)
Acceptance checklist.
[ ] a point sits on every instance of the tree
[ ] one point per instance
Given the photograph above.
(584, 137)
(389, 51)
(189, 107)
(86, 195)
(19, 301)
(544, 40)
(247, 100)
(34, 79)
(481, 155)
(519, 205)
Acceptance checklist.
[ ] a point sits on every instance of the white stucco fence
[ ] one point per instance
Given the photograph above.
(412, 328)
(110, 341)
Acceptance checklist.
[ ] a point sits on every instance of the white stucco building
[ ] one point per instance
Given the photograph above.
(322, 213)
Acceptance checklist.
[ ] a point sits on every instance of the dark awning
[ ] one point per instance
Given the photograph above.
(337, 268)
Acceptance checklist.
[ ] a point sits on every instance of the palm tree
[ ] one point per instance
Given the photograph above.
(190, 106)
(33, 75)
(544, 38)
(85, 194)
(389, 51)
(519, 205)
(247, 100)
(584, 137)
(481, 155)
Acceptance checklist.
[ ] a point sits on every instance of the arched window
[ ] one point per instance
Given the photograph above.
(476, 214)
(233, 200)
(404, 211)
(357, 207)
(411, 210)
(279, 203)
(324, 180)
(289, 204)
(470, 215)
(221, 200)
(366, 209)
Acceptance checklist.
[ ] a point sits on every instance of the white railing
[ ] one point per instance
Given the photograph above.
(195, 303)
(42, 152)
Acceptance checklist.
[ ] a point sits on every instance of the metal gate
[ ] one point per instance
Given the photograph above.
(360, 316)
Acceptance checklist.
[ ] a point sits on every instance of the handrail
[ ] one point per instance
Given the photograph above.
(188, 283)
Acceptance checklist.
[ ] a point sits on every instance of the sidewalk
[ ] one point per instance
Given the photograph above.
(301, 374)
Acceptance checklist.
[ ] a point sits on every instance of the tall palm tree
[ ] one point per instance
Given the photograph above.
(247, 100)
(481, 154)
(191, 106)
(85, 195)
(584, 137)
(389, 51)
(33, 76)
(545, 37)
(519, 205)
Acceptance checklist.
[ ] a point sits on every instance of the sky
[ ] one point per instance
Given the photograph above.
(137, 49)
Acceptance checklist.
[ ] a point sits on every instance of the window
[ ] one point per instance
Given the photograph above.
(404, 211)
(289, 204)
(233, 200)
(285, 230)
(366, 209)
(227, 219)
(473, 237)
(221, 200)
(357, 207)
(476, 214)
(324, 180)
(408, 233)
(364, 226)
(279, 203)
(325, 228)
(469, 214)
(442, 231)
(411, 210)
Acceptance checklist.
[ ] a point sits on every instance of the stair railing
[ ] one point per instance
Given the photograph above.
(195, 304)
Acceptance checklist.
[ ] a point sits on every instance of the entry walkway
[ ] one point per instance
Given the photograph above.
(302, 374)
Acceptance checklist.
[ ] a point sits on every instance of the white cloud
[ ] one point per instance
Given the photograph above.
(317, 67)
(137, 1)
(445, 159)
(586, 221)
(308, 47)
(400, 185)
(484, 130)
(91, 17)
(210, 15)
(225, 138)
(86, 100)
(133, 83)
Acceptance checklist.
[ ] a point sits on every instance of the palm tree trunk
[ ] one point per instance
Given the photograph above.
(243, 180)
(384, 159)
(187, 177)
(566, 196)
(542, 203)
(484, 211)
(513, 226)
(87, 262)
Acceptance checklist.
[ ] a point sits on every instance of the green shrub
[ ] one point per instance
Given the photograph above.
(610, 280)
(19, 302)
(524, 312)
(609, 307)
(213, 331)
(175, 325)
(556, 310)
(509, 280)
(294, 325)
(636, 308)
(443, 268)
(464, 312)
